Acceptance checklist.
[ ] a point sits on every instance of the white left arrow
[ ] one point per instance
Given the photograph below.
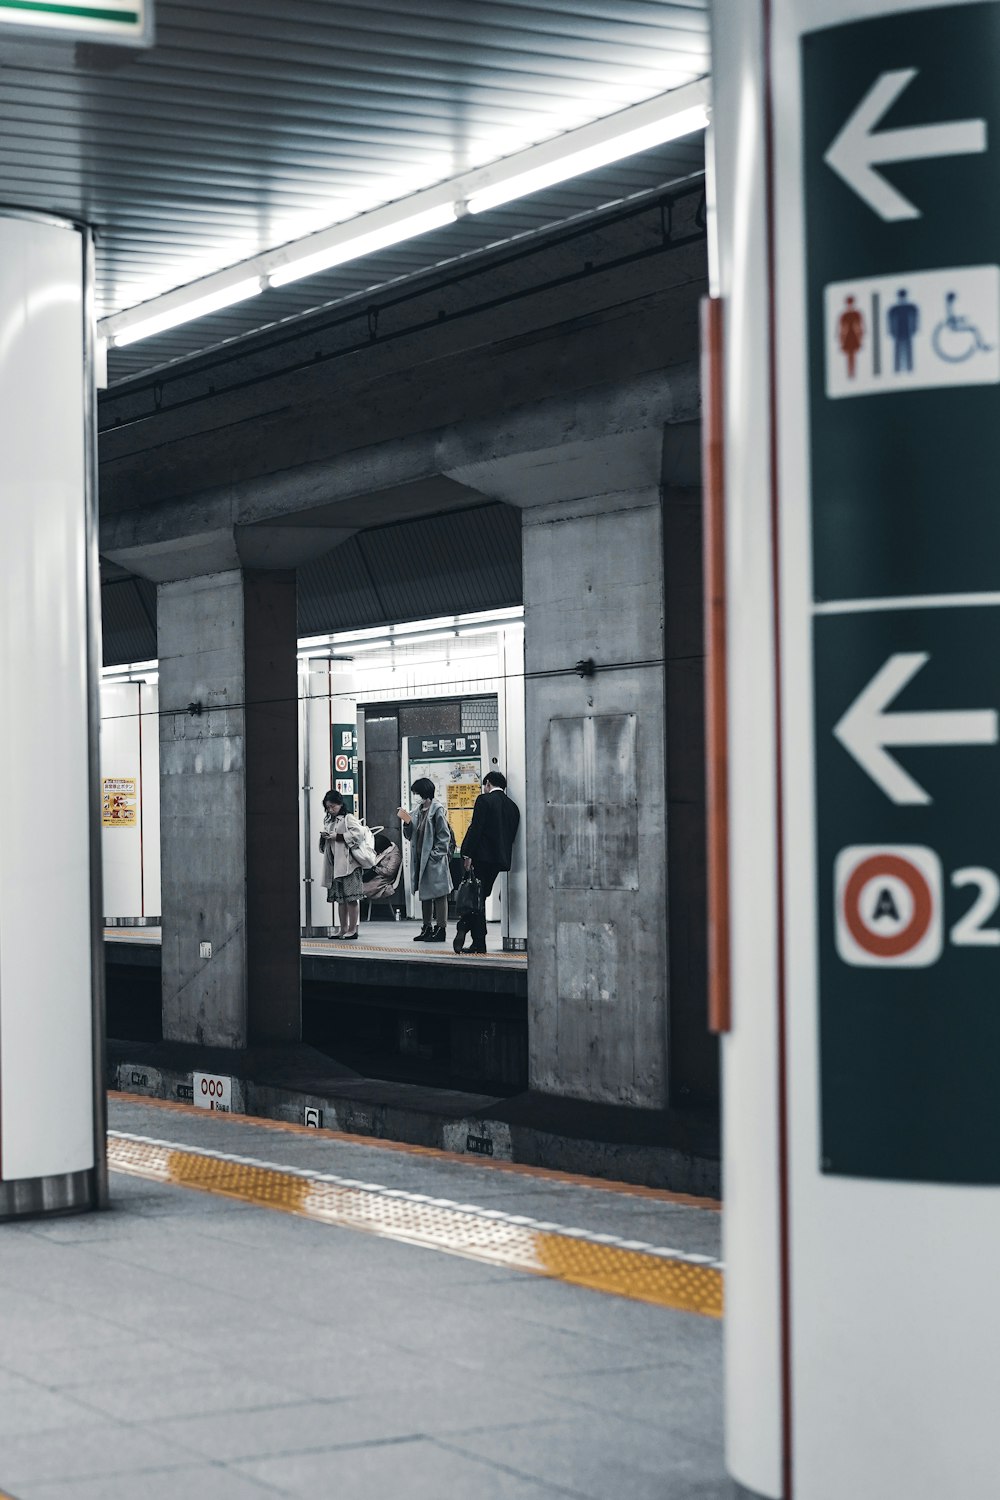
(858, 149)
(866, 729)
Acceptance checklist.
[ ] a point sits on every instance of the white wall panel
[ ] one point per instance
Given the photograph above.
(46, 1058)
(149, 807)
(511, 752)
(316, 755)
(122, 844)
(130, 749)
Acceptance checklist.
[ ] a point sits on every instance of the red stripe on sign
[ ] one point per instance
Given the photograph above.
(716, 707)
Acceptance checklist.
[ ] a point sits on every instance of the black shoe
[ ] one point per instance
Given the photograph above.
(458, 941)
(423, 935)
(475, 949)
(437, 935)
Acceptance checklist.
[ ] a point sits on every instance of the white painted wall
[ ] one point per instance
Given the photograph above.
(130, 747)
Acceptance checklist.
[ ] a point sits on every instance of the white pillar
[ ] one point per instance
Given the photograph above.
(52, 1151)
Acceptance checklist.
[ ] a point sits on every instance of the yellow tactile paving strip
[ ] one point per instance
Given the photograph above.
(624, 1268)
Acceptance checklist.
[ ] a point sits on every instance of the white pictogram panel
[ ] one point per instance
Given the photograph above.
(913, 331)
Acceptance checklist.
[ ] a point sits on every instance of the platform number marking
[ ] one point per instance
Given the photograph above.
(213, 1091)
(889, 906)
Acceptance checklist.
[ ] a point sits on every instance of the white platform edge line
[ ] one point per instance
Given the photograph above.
(518, 1221)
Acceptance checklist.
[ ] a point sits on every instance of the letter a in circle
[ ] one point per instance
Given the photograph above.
(885, 906)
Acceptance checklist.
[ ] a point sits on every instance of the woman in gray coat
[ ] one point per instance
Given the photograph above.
(429, 838)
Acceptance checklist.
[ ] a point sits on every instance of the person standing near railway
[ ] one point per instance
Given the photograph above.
(341, 876)
(487, 849)
(429, 835)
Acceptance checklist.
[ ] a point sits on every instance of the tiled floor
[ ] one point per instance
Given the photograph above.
(188, 1344)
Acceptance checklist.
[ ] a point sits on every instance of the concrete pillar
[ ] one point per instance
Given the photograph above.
(229, 808)
(596, 799)
(52, 1153)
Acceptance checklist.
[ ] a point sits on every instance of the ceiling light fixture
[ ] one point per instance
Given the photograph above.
(605, 148)
(171, 314)
(680, 112)
(362, 236)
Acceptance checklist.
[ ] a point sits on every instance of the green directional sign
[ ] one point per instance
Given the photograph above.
(117, 22)
(902, 200)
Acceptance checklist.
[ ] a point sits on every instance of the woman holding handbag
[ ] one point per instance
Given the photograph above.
(429, 835)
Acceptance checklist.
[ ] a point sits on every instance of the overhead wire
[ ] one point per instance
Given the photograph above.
(447, 688)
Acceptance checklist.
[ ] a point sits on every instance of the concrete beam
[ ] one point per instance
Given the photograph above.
(300, 423)
(614, 433)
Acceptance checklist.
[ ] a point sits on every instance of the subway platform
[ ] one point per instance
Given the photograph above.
(267, 1309)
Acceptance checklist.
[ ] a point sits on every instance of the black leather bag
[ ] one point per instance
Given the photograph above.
(469, 897)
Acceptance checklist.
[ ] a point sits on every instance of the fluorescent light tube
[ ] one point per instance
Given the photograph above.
(443, 622)
(679, 112)
(351, 240)
(599, 154)
(184, 311)
(424, 640)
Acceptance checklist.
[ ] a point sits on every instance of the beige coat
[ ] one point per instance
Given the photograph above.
(352, 835)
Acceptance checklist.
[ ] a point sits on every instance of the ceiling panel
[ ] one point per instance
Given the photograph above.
(252, 122)
(418, 570)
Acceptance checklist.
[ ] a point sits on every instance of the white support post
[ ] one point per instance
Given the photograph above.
(52, 1150)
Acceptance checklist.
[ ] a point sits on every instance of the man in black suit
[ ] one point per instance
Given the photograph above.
(487, 849)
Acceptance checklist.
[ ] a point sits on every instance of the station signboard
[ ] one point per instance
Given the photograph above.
(345, 764)
(902, 283)
(428, 747)
(120, 23)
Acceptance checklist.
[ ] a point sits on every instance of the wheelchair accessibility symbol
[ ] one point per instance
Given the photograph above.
(955, 339)
(888, 906)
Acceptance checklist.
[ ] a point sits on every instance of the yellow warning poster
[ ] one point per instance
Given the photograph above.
(461, 800)
(118, 802)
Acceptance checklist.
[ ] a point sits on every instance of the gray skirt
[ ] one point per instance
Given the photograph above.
(346, 887)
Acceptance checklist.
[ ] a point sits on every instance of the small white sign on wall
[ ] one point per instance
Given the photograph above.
(213, 1091)
(122, 23)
